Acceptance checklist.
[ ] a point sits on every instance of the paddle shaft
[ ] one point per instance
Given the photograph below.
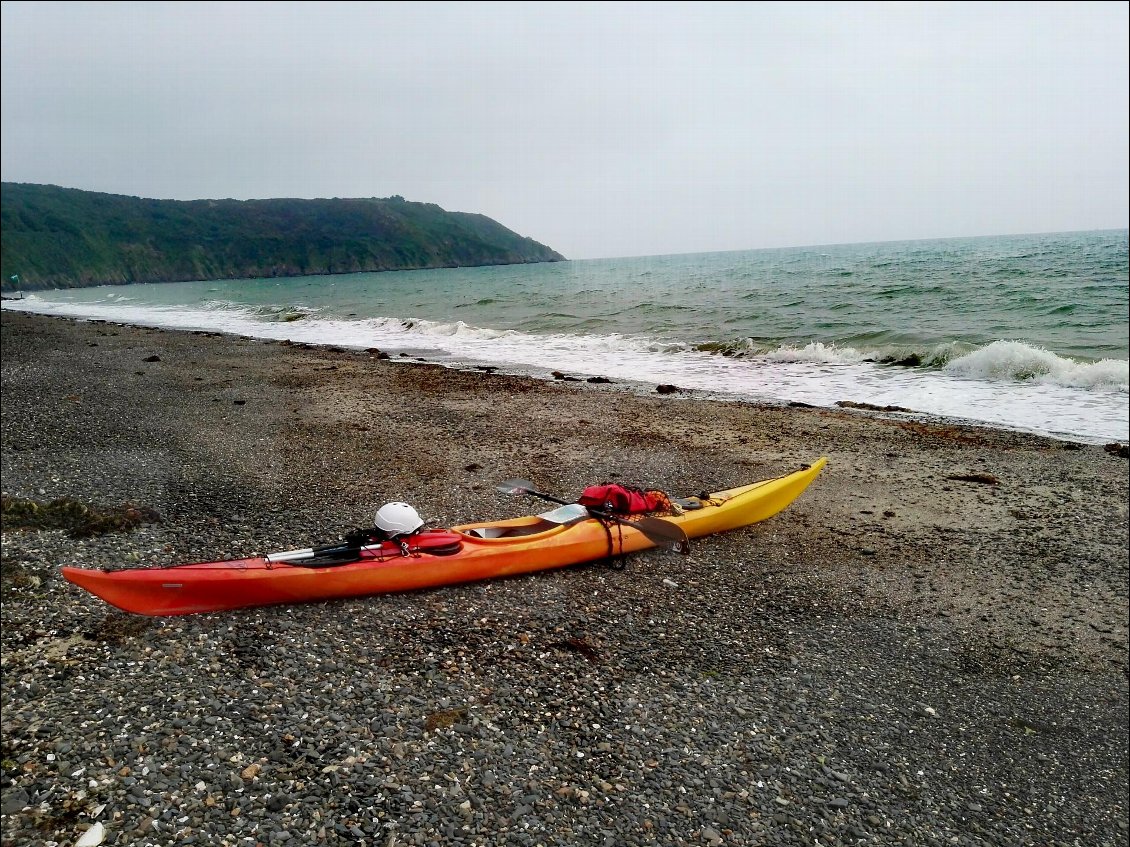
(314, 552)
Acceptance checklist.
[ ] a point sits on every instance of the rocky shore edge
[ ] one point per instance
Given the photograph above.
(928, 648)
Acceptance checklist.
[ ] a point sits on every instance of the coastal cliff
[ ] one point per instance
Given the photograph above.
(66, 238)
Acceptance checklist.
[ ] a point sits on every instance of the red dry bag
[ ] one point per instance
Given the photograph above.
(623, 499)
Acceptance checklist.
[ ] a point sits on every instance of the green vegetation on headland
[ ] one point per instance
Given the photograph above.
(66, 238)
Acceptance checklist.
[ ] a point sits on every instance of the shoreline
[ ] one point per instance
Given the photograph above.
(1045, 424)
(931, 643)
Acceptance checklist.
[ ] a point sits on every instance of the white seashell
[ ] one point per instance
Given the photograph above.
(92, 837)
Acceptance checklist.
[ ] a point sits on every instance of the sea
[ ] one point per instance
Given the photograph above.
(1018, 332)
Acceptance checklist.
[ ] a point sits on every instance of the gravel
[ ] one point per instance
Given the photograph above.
(928, 648)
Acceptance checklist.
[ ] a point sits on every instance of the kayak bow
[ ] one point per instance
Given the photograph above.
(466, 553)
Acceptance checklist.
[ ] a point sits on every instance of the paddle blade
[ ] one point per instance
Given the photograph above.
(516, 486)
(665, 533)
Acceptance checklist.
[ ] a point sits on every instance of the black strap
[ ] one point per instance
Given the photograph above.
(614, 560)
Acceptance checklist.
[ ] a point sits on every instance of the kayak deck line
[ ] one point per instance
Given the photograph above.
(459, 554)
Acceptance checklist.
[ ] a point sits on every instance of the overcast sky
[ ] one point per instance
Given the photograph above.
(602, 129)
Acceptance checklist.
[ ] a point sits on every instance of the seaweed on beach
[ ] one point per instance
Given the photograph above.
(117, 628)
(78, 519)
(445, 719)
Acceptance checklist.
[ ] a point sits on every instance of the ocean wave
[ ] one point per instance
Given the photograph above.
(272, 313)
(426, 331)
(1004, 361)
(836, 352)
(452, 329)
(1000, 361)
(816, 352)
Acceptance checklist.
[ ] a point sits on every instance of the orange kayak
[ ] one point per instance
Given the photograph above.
(432, 558)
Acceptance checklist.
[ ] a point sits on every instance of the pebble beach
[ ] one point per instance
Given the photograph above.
(929, 647)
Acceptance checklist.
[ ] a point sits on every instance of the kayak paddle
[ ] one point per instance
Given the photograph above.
(345, 552)
(663, 533)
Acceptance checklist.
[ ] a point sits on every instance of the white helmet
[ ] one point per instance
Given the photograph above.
(398, 519)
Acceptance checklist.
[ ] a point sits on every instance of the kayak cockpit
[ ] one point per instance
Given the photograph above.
(547, 522)
(496, 530)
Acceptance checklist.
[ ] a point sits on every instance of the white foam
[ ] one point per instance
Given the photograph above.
(817, 352)
(1005, 384)
(1015, 361)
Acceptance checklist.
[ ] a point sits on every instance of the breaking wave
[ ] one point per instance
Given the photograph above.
(1016, 361)
(1000, 361)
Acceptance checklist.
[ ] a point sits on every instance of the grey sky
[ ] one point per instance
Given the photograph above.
(604, 129)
